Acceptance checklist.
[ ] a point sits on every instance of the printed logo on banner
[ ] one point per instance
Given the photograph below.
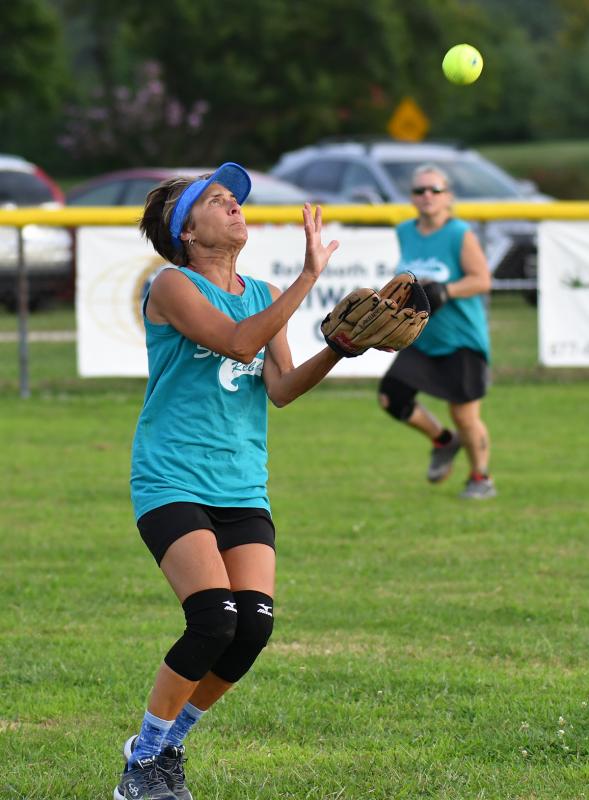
(339, 280)
(563, 293)
(109, 291)
(116, 268)
(575, 281)
(142, 286)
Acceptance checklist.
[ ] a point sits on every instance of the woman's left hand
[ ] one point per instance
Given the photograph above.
(317, 255)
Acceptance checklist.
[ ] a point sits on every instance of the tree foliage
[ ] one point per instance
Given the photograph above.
(142, 125)
(32, 67)
(270, 75)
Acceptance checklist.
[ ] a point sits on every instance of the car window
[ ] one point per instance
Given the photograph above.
(23, 189)
(357, 176)
(268, 192)
(136, 191)
(469, 180)
(105, 194)
(324, 175)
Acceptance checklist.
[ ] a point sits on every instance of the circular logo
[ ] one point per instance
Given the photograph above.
(143, 283)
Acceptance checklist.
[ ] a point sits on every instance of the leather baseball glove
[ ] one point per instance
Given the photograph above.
(413, 308)
(387, 320)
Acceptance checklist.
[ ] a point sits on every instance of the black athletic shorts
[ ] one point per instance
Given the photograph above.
(162, 526)
(461, 377)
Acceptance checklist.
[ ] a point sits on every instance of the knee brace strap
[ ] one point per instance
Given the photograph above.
(255, 621)
(401, 398)
(211, 622)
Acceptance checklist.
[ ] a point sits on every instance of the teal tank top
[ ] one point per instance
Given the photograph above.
(461, 322)
(201, 434)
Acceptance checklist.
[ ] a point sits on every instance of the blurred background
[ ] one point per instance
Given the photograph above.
(334, 102)
(99, 85)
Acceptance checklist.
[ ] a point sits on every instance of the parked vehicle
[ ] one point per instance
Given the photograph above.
(379, 171)
(47, 250)
(130, 187)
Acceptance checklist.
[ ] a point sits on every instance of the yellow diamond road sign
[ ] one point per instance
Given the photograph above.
(408, 122)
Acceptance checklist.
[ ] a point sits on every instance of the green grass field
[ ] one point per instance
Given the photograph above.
(424, 647)
(571, 153)
(560, 168)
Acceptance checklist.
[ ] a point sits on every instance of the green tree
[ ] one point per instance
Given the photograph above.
(32, 68)
(277, 75)
(574, 27)
(270, 75)
(33, 78)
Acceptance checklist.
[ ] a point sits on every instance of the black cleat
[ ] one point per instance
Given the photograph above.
(144, 781)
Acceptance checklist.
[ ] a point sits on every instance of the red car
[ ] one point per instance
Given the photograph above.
(130, 187)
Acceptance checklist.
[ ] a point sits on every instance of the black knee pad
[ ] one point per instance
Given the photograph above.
(255, 620)
(400, 396)
(211, 623)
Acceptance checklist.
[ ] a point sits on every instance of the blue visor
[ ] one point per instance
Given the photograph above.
(229, 175)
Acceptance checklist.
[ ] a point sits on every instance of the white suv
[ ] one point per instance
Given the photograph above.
(379, 171)
(47, 250)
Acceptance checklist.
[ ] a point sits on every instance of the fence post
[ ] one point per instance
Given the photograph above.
(23, 317)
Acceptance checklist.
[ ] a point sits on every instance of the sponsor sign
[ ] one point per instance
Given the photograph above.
(563, 294)
(115, 267)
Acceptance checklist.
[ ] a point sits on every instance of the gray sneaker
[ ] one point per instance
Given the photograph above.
(442, 458)
(483, 489)
(144, 781)
(171, 767)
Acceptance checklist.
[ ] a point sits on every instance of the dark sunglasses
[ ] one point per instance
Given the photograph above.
(424, 189)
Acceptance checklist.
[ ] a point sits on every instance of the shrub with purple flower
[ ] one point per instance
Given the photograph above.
(135, 126)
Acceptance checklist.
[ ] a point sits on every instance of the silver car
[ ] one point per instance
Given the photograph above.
(379, 171)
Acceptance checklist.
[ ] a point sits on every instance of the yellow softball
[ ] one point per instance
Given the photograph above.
(462, 64)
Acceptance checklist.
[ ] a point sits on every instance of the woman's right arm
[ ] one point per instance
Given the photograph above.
(179, 303)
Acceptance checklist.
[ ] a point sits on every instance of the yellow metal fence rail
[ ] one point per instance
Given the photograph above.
(387, 214)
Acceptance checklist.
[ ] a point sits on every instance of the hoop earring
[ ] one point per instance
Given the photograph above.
(190, 242)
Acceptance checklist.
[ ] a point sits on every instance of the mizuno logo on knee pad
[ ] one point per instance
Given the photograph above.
(263, 609)
(211, 624)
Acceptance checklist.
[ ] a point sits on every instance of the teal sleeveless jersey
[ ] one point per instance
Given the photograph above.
(461, 322)
(201, 435)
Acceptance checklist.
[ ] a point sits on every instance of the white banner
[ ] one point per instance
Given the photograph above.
(563, 292)
(114, 266)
